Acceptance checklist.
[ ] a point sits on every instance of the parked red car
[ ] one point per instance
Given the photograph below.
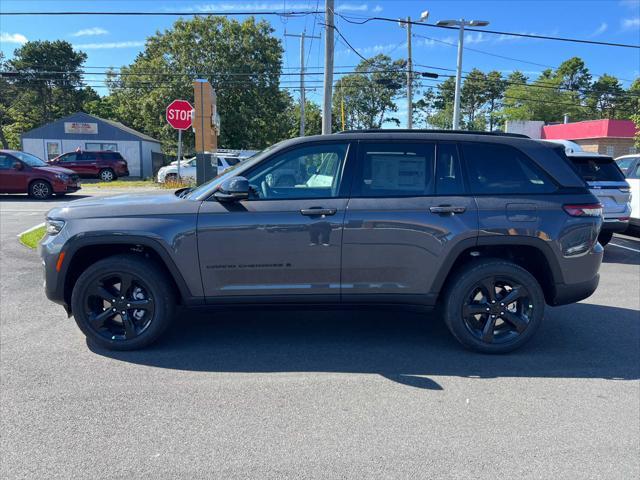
(22, 172)
(105, 165)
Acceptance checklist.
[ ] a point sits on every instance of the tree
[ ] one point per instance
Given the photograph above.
(605, 97)
(473, 97)
(312, 119)
(243, 62)
(494, 92)
(47, 77)
(369, 94)
(7, 92)
(437, 105)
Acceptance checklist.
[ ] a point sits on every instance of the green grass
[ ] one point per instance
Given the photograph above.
(122, 184)
(32, 238)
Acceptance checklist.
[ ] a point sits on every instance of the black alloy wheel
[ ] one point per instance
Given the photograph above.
(497, 310)
(119, 306)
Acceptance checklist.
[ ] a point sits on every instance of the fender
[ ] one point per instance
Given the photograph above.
(502, 240)
(76, 243)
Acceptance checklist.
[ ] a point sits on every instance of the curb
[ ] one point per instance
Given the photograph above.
(29, 230)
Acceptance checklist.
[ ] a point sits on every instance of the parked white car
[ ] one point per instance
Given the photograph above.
(630, 165)
(188, 169)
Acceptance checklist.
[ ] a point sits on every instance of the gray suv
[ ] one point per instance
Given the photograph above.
(488, 228)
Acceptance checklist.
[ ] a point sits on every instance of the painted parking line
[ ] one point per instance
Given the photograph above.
(626, 248)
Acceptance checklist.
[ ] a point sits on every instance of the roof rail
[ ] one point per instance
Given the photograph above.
(426, 130)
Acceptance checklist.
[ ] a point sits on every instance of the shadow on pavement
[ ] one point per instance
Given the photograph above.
(575, 341)
(17, 197)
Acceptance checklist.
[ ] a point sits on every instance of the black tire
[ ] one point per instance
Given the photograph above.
(40, 190)
(605, 237)
(171, 177)
(147, 283)
(61, 194)
(512, 324)
(107, 175)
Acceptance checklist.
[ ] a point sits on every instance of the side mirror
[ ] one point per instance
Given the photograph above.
(232, 190)
(18, 166)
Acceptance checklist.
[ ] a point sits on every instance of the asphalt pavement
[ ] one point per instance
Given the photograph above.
(316, 394)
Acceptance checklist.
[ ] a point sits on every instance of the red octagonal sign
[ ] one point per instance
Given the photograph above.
(179, 114)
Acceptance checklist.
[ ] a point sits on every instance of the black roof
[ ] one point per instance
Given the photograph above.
(426, 130)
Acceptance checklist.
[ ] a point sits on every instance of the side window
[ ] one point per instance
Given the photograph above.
(496, 169)
(68, 158)
(6, 163)
(448, 170)
(395, 170)
(625, 164)
(306, 172)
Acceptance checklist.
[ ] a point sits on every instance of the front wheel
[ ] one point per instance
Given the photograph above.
(123, 302)
(493, 306)
(40, 190)
(605, 237)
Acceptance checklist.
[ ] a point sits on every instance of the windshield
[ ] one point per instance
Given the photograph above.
(198, 192)
(597, 169)
(29, 159)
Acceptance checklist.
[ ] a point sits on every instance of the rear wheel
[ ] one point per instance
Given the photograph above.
(493, 306)
(171, 178)
(40, 189)
(107, 175)
(605, 237)
(123, 302)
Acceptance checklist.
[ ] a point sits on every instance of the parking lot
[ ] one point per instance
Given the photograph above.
(330, 394)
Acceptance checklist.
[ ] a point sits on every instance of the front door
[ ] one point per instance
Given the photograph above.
(408, 212)
(12, 180)
(284, 242)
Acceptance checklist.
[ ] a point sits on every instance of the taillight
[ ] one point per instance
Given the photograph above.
(584, 210)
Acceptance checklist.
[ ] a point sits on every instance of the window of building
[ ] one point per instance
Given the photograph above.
(633, 149)
(496, 169)
(395, 170)
(53, 150)
(101, 147)
(611, 150)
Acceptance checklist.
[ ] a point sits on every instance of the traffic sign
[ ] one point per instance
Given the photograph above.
(179, 114)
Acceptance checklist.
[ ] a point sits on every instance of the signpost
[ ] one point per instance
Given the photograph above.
(179, 117)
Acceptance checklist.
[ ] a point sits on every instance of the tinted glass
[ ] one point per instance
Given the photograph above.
(625, 163)
(395, 170)
(111, 156)
(448, 170)
(500, 169)
(70, 157)
(30, 160)
(306, 172)
(6, 162)
(232, 161)
(598, 169)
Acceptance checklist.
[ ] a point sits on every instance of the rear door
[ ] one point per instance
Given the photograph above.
(70, 161)
(90, 164)
(606, 181)
(408, 211)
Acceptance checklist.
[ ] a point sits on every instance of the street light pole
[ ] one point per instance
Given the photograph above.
(409, 78)
(456, 101)
(460, 24)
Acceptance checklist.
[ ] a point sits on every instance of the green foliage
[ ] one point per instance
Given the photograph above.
(369, 95)
(312, 119)
(242, 60)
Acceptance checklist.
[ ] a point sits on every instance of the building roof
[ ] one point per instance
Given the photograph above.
(81, 117)
(590, 129)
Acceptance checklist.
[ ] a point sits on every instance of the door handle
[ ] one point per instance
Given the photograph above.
(318, 211)
(440, 209)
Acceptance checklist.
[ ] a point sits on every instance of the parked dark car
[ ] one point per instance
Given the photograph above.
(22, 172)
(105, 165)
(487, 227)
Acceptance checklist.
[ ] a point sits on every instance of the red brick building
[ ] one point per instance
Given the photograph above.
(609, 137)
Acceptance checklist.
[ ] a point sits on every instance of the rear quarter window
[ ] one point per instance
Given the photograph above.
(597, 169)
(502, 169)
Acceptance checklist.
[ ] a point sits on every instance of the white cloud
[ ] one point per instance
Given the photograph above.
(470, 38)
(377, 9)
(600, 30)
(374, 49)
(109, 45)
(246, 7)
(352, 7)
(89, 32)
(12, 38)
(630, 3)
(631, 23)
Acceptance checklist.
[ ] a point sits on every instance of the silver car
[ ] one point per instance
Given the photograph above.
(607, 182)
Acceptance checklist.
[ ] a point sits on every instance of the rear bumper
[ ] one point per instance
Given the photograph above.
(614, 225)
(574, 292)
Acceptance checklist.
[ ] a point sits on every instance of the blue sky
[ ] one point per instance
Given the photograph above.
(115, 41)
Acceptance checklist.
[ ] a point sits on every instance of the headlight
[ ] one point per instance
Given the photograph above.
(54, 226)
(62, 176)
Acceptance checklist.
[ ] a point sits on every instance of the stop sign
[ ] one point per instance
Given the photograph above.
(179, 114)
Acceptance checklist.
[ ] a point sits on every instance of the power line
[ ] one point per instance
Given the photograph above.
(494, 32)
(165, 14)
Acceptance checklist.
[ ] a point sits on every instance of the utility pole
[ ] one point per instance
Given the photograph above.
(328, 67)
(302, 36)
(409, 78)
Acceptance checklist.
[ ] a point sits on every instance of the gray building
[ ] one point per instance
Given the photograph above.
(88, 132)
